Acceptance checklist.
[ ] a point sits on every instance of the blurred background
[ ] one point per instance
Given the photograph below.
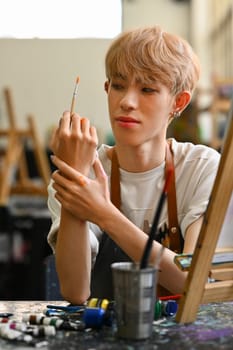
(44, 46)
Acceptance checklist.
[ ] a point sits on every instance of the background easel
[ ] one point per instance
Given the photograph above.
(14, 174)
(197, 290)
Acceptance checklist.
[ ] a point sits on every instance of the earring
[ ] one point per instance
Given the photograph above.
(176, 114)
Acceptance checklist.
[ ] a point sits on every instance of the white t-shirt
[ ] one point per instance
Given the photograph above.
(195, 171)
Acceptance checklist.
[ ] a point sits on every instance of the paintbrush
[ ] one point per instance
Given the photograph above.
(74, 96)
(154, 227)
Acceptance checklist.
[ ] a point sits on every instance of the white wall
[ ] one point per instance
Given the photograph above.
(173, 16)
(42, 73)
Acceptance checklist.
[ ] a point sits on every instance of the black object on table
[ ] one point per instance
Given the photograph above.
(24, 226)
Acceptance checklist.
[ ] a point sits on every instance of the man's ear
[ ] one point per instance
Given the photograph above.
(182, 100)
(106, 86)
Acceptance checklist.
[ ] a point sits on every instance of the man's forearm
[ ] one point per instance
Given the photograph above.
(73, 258)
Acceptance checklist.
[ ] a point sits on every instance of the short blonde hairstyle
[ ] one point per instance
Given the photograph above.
(150, 54)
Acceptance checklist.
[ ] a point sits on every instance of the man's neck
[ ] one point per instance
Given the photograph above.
(139, 159)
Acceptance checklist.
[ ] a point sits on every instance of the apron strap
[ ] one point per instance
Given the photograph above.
(175, 237)
(115, 181)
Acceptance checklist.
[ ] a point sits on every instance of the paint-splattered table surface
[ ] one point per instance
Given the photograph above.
(213, 329)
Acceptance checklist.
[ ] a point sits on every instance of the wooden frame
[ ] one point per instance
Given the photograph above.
(13, 160)
(197, 290)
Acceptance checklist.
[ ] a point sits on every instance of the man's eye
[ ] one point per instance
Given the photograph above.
(149, 90)
(116, 86)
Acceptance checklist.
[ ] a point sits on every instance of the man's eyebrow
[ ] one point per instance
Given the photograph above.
(119, 76)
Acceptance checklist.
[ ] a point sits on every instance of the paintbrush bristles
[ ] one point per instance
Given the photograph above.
(74, 96)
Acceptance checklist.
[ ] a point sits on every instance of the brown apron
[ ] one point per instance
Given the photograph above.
(109, 252)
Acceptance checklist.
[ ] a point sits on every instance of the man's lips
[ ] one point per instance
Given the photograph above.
(127, 120)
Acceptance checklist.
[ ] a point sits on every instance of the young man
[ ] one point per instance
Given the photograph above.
(151, 76)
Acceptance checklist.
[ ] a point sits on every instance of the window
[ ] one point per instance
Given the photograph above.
(60, 18)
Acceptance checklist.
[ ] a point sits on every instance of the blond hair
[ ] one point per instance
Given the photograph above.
(151, 54)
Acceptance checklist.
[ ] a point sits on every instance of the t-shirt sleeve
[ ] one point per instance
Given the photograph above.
(201, 184)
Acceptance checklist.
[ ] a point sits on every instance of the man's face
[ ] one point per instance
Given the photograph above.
(139, 112)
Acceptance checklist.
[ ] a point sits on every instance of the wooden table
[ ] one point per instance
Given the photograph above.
(213, 329)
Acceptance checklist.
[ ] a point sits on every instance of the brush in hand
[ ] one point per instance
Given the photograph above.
(74, 96)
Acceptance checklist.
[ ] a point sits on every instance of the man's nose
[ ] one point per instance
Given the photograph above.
(129, 100)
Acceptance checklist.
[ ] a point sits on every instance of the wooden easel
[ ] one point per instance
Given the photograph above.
(13, 160)
(197, 290)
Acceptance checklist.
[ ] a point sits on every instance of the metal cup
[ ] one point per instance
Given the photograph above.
(134, 294)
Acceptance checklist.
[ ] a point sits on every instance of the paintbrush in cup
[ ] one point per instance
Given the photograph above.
(154, 227)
